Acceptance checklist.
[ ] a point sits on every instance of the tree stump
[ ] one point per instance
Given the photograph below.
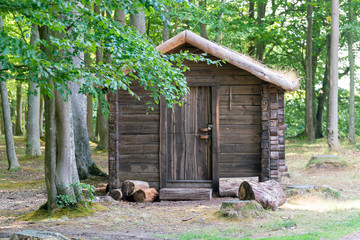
(129, 187)
(146, 195)
(241, 209)
(116, 194)
(269, 194)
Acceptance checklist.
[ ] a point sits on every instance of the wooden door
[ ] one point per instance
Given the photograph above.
(189, 138)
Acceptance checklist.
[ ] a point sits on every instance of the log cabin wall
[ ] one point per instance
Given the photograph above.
(248, 114)
(273, 133)
(133, 138)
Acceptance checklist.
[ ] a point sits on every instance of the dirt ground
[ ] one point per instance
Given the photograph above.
(320, 215)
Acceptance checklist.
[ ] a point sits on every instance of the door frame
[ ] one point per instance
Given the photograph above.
(215, 145)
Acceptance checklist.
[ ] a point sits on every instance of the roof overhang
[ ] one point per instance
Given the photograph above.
(287, 80)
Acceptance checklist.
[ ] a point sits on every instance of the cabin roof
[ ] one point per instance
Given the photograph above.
(286, 80)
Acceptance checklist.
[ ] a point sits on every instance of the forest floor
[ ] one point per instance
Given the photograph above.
(308, 215)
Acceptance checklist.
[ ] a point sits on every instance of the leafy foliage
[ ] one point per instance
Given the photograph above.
(87, 195)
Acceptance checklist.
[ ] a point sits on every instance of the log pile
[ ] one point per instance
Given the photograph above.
(269, 194)
(146, 195)
(129, 187)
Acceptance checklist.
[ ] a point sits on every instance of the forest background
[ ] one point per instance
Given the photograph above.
(53, 48)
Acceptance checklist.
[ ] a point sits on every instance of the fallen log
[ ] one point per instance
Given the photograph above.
(229, 187)
(116, 194)
(269, 194)
(129, 187)
(146, 195)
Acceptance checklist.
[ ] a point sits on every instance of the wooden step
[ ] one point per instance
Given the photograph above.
(185, 194)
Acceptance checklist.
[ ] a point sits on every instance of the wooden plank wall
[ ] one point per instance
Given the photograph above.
(138, 149)
(239, 115)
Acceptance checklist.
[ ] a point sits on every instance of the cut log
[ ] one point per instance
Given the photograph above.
(269, 194)
(129, 187)
(185, 194)
(229, 187)
(146, 195)
(116, 194)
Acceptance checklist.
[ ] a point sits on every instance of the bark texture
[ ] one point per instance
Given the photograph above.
(333, 138)
(18, 121)
(129, 187)
(260, 46)
(310, 130)
(203, 28)
(32, 129)
(352, 77)
(166, 29)
(138, 21)
(269, 194)
(146, 195)
(10, 147)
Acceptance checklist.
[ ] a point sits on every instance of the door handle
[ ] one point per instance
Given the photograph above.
(204, 136)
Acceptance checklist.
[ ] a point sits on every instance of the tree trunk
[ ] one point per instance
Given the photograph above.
(129, 187)
(89, 118)
(203, 29)
(260, 46)
(309, 128)
(138, 21)
(269, 194)
(251, 49)
(10, 147)
(41, 117)
(324, 93)
(352, 76)
(1, 119)
(84, 163)
(66, 172)
(166, 29)
(33, 147)
(120, 16)
(102, 125)
(219, 30)
(18, 122)
(60, 165)
(146, 195)
(333, 139)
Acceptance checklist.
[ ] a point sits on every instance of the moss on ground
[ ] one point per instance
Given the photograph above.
(69, 212)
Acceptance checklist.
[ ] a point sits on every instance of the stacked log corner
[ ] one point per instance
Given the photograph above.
(273, 133)
(114, 179)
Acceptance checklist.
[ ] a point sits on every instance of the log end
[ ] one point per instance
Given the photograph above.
(116, 194)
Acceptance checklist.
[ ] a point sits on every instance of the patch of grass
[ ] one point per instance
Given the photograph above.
(208, 235)
(15, 185)
(323, 161)
(70, 212)
(282, 224)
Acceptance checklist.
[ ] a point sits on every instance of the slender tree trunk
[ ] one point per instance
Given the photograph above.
(18, 122)
(138, 21)
(251, 49)
(10, 146)
(166, 29)
(352, 77)
(260, 46)
(203, 29)
(89, 118)
(333, 139)
(33, 133)
(310, 132)
(103, 126)
(1, 119)
(324, 93)
(41, 116)
(89, 105)
(219, 30)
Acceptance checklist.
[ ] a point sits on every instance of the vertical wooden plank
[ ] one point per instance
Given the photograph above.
(163, 140)
(215, 137)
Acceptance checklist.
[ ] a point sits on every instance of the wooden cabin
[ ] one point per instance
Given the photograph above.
(231, 125)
